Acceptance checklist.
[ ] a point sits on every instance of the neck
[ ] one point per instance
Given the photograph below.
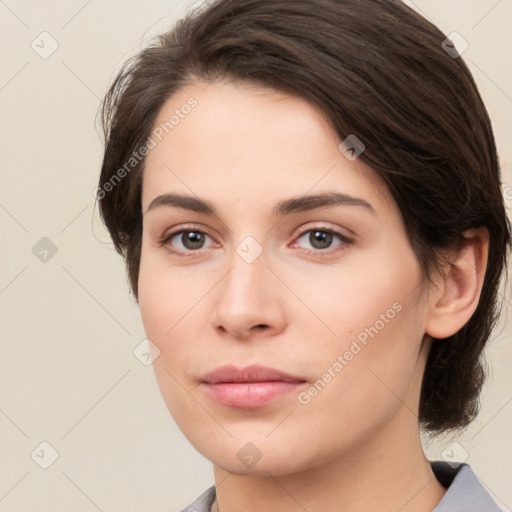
(388, 478)
(387, 471)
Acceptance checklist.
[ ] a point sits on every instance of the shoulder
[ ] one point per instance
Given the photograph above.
(203, 503)
(465, 492)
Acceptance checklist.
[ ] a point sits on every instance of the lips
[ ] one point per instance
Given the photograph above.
(250, 387)
(254, 373)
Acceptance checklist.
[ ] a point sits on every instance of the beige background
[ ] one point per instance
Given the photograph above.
(68, 375)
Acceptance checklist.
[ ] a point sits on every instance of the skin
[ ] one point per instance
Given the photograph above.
(355, 445)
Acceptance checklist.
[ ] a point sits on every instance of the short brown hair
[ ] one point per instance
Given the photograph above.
(374, 68)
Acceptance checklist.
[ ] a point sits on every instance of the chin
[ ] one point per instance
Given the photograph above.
(250, 454)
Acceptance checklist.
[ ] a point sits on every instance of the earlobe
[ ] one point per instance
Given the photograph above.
(460, 286)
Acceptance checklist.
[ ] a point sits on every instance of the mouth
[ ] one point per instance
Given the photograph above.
(250, 387)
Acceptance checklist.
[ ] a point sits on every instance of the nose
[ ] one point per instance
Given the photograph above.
(248, 301)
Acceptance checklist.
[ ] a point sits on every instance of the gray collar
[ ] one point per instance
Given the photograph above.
(465, 492)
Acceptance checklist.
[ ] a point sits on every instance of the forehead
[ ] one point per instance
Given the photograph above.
(254, 142)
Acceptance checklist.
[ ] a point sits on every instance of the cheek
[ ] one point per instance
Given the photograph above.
(160, 311)
(167, 296)
(172, 308)
(372, 325)
(166, 316)
(366, 297)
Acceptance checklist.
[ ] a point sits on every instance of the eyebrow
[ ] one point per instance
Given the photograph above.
(282, 208)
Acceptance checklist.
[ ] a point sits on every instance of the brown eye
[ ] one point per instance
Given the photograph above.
(192, 239)
(322, 239)
(186, 241)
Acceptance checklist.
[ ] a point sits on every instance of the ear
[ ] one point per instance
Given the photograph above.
(458, 291)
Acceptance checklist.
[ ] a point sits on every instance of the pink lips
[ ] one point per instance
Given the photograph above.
(250, 387)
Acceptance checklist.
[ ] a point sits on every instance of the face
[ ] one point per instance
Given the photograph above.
(325, 292)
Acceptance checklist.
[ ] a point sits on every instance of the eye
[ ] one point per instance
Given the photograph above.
(321, 238)
(185, 241)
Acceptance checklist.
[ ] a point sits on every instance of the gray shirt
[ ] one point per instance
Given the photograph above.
(465, 492)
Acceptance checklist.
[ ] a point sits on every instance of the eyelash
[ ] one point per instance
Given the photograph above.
(167, 237)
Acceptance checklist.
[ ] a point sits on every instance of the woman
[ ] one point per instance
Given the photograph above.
(307, 196)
